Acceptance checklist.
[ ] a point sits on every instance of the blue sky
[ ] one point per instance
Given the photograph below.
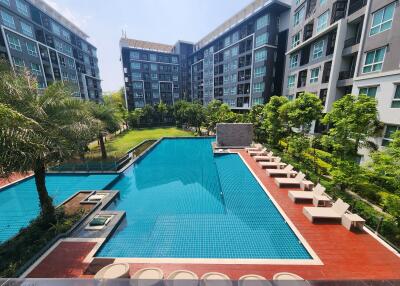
(164, 21)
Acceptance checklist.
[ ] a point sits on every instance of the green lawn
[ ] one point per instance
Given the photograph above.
(120, 144)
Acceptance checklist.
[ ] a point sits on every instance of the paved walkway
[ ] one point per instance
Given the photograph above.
(345, 254)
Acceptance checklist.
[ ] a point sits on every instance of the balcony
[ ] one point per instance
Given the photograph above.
(343, 75)
(356, 5)
(351, 42)
(338, 10)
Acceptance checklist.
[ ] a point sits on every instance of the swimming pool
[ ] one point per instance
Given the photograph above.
(182, 202)
(19, 203)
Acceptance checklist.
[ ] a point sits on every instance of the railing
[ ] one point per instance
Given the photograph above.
(345, 75)
(351, 42)
(356, 5)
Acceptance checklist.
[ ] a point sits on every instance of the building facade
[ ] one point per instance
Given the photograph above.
(239, 63)
(34, 36)
(337, 47)
(151, 73)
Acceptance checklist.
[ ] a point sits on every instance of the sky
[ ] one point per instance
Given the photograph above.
(162, 21)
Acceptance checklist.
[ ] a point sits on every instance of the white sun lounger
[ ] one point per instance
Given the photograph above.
(338, 209)
(285, 172)
(268, 157)
(276, 164)
(296, 196)
(255, 147)
(258, 152)
(292, 182)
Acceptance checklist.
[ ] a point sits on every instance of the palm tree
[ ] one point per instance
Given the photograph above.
(108, 122)
(38, 129)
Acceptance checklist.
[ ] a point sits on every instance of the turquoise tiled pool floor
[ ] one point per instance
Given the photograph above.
(182, 202)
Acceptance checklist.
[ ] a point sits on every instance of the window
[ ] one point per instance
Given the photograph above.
(134, 55)
(153, 57)
(318, 49)
(27, 29)
(153, 67)
(154, 76)
(31, 48)
(226, 91)
(262, 39)
(227, 54)
(296, 40)
(257, 101)
(138, 85)
(175, 78)
(396, 98)
(322, 21)
(262, 21)
(65, 35)
(136, 75)
(370, 91)
(298, 16)
(260, 71)
(294, 60)
(382, 19)
(22, 8)
(8, 20)
(233, 91)
(6, 2)
(389, 130)
(174, 60)
(234, 51)
(19, 64)
(314, 75)
(290, 97)
(291, 81)
(374, 60)
(227, 41)
(36, 70)
(322, 2)
(260, 55)
(234, 78)
(135, 66)
(259, 87)
(14, 43)
(235, 37)
(71, 63)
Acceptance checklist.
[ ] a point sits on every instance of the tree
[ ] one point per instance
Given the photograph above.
(162, 110)
(135, 117)
(301, 112)
(148, 113)
(384, 168)
(108, 122)
(352, 120)
(179, 112)
(212, 114)
(38, 129)
(272, 123)
(195, 115)
(117, 100)
(256, 117)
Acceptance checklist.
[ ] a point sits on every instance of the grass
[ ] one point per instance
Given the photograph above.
(120, 144)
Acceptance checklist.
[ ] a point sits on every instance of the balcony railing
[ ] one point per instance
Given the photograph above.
(346, 75)
(351, 42)
(356, 5)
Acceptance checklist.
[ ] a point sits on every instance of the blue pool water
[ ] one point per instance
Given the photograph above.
(183, 202)
(19, 203)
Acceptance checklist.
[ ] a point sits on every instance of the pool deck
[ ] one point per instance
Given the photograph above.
(344, 254)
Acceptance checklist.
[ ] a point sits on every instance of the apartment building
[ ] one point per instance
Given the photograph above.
(154, 72)
(240, 62)
(36, 37)
(336, 47)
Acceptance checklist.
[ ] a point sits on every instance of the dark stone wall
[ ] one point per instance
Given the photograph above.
(234, 134)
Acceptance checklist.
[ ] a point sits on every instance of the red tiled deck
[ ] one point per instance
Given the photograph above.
(345, 254)
(12, 178)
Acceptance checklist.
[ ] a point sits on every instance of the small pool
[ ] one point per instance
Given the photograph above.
(19, 203)
(182, 202)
